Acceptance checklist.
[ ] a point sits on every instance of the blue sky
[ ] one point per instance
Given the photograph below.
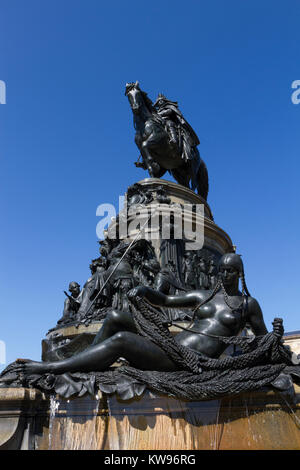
(67, 138)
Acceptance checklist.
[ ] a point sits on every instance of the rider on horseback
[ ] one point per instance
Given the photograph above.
(156, 125)
(179, 130)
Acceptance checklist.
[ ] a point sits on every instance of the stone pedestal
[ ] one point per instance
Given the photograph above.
(215, 239)
(23, 418)
(167, 199)
(252, 421)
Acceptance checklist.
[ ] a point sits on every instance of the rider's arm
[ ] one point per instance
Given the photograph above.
(165, 112)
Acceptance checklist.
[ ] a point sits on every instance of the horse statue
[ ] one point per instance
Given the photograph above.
(166, 141)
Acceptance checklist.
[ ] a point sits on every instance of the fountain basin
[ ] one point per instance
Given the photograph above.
(262, 420)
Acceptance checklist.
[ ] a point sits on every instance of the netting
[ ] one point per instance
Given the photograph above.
(199, 377)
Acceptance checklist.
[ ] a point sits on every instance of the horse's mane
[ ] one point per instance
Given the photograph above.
(148, 101)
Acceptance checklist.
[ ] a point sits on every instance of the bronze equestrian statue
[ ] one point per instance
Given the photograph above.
(166, 140)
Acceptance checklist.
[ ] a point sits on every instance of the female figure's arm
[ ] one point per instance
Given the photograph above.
(255, 317)
(188, 299)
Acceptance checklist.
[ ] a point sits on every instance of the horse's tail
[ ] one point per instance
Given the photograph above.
(202, 180)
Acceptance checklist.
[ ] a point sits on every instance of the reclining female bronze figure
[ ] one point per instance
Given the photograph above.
(222, 312)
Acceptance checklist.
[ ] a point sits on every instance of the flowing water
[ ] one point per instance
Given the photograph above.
(54, 406)
(153, 422)
(73, 424)
(291, 411)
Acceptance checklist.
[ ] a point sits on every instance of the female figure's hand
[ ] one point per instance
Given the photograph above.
(139, 291)
(278, 329)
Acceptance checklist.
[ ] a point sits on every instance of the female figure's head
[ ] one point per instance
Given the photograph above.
(231, 269)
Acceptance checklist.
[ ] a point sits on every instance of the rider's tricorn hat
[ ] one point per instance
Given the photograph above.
(160, 97)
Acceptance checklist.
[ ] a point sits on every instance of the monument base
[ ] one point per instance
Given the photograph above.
(263, 420)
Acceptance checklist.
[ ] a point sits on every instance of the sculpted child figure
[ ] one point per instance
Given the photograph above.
(223, 311)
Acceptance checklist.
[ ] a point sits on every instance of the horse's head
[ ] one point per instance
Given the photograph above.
(138, 99)
(134, 95)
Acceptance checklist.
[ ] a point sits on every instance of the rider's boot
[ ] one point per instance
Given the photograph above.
(173, 135)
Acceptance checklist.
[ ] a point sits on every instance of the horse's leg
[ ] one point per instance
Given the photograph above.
(159, 172)
(182, 176)
(202, 180)
(138, 140)
(148, 163)
(154, 168)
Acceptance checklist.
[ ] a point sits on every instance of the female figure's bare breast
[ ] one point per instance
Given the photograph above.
(214, 318)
